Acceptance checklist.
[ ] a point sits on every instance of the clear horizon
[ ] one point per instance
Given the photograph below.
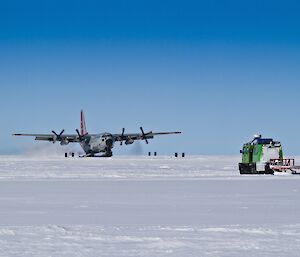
(219, 71)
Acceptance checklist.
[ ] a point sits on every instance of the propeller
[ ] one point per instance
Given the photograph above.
(144, 135)
(122, 136)
(80, 136)
(57, 136)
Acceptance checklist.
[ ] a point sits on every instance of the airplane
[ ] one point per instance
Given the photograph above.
(95, 144)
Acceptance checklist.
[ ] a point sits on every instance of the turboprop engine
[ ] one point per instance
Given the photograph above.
(64, 142)
(109, 142)
(57, 136)
(129, 141)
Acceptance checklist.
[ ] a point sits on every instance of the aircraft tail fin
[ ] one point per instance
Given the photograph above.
(83, 130)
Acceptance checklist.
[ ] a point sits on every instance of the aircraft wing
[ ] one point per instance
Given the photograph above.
(140, 136)
(52, 137)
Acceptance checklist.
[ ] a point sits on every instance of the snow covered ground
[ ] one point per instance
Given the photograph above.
(141, 206)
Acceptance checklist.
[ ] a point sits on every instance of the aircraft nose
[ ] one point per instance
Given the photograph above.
(109, 143)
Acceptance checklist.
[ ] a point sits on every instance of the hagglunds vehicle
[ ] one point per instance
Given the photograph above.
(264, 156)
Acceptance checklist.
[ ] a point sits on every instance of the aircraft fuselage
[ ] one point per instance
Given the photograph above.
(101, 143)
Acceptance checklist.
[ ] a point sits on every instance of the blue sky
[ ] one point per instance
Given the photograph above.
(219, 71)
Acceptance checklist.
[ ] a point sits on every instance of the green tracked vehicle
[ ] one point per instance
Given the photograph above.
(260, 155)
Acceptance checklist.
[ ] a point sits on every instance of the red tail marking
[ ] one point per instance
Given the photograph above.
(81, 123)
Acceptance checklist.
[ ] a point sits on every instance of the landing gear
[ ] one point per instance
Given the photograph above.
(106, 154)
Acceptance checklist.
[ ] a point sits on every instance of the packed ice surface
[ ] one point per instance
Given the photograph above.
(45, 168)
(141, 206)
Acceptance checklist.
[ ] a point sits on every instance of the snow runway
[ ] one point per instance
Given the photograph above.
(86, 240)
(197, 206)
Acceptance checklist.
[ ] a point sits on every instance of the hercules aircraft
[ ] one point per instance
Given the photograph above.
(93, 144)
